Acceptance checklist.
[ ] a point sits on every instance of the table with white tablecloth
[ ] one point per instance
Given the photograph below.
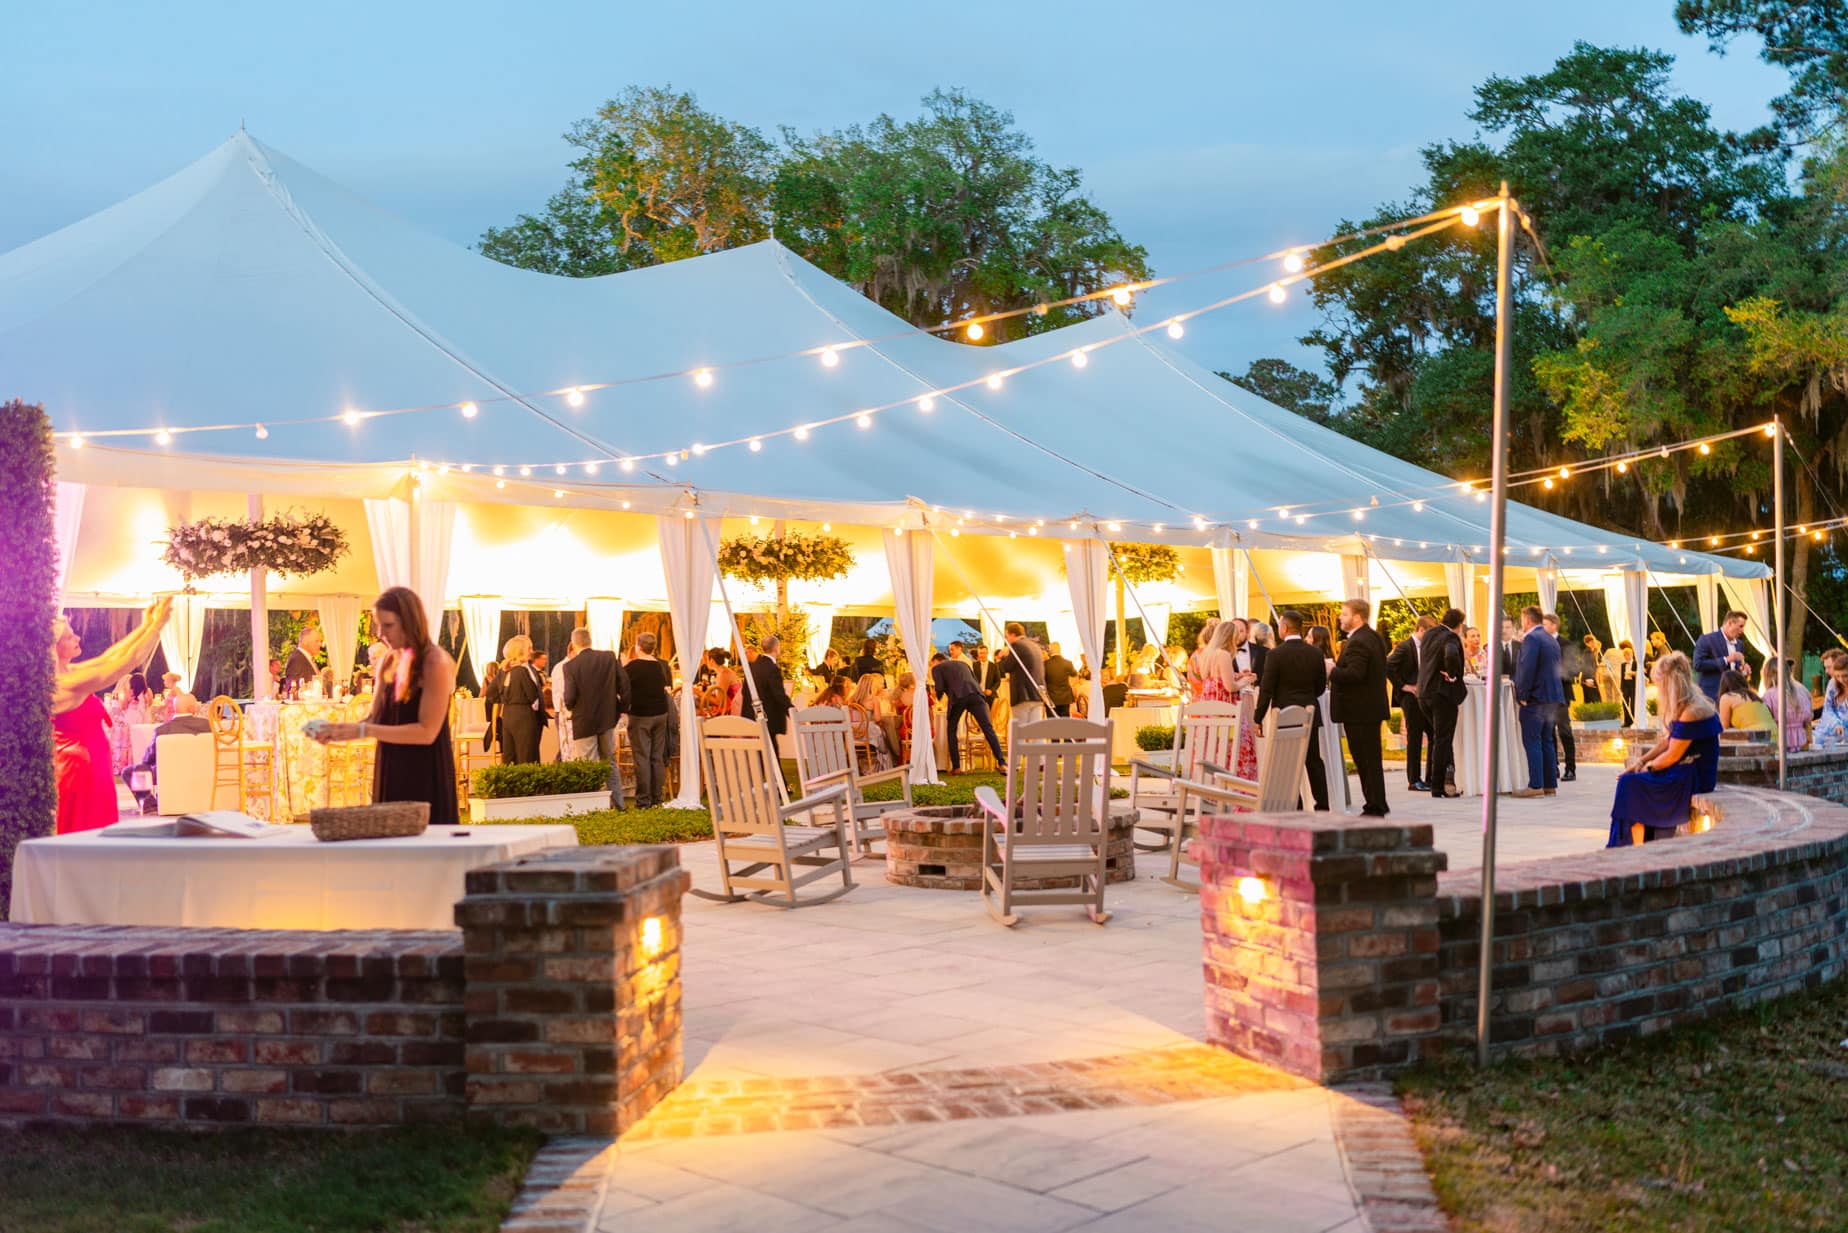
(285, 881)
(1472, 717)
(1126, 721)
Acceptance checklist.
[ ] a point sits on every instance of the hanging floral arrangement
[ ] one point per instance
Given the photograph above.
(285, 544)
(766, 558)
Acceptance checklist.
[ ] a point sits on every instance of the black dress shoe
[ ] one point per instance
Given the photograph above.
(1373, 813)
(1568, 777)
(1418, 786)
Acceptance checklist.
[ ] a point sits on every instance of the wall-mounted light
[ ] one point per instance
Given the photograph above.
(651, 936)
(1251, 890)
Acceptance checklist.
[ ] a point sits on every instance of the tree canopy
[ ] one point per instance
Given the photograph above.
(943, 216)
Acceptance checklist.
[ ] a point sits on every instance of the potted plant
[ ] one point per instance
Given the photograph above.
(539, 790)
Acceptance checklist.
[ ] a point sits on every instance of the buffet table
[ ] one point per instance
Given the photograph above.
(1472, 719)
(286, 881)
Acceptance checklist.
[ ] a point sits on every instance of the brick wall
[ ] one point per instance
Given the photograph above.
(1813, 772)
(557, 1006)
(1326, 964)
(1360, 957)
(218, 1025)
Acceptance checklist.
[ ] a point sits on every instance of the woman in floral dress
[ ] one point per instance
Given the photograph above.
(1223, 682)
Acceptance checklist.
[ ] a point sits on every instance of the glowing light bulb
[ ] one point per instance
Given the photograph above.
(76, 440)
(525, 471)
(699, 449)
(627, 464)
(625, 505)
(829, 358)
(1547, 483)
(1251, 890)
(1755, 536)
(1175, 329)
(994, 381)
(757, 445)
(1112, 526)
(467, 467)
(1277, 293)
(703, 378)
(1395, 242)
(1470, 216)
(1301, 519)
(1293, 262)
(1713, 540)
(443, 470)
(1674, 543)
(575, 396)
(1771, 430)
(1079, 358)
(1359, 514)
(689, 515)
(590, 468)
(1481, 498)
(262, 433)
(673, 460)
(863, 420)
(1199, 524)
(802, 432)
(163, 437)
(1816, 535)
(470, 410)
(1122, 296)
(975, 331)
(1418, 507)
(1565, 473)
(1622, 467)
(1158, 528)
(1041, 309)
(557, 492)
(500, 483)
(927, 404)
(351, 417)
(559, 469)
(827, 528)
(1032, 530)
(1705, 448)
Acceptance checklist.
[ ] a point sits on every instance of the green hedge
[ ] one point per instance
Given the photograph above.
(1155, 736)
(28, 796)
(1590, 712)
(541, 778)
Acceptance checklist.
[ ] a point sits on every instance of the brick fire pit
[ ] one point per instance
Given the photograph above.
(939, 847)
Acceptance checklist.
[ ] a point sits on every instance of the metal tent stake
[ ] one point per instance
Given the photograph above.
(1498, 532)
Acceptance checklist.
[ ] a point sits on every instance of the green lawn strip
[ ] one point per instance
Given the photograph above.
(126, 1180)
(1740, 1123)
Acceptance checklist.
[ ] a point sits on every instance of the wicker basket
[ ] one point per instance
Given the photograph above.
(390, 820)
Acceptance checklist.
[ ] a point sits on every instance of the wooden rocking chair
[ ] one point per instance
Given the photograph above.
(751, 824)
(1280, 778)
(825, 756)
(1055, 821)
(1205, 744)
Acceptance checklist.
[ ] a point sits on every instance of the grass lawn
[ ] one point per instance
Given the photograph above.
(125, 1180)
(1740, 1123)
(609, 826)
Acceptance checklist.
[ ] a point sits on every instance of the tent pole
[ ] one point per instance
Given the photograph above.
(1777, 594)
(1498, 533)
(259, 616)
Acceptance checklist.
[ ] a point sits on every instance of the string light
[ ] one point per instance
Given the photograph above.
(1294, 262)
(927, 404)
(1622, 467)
(864, 420)
(262, 433)
(1175, 329)
(1771, 429)
(703, 378)
(699, 450)
(975, 331)
(470, 410)
(830, 358)
(994, 381)
(1565, 473)
(1079, 358)
(627, 464)
(1122, 296)
(1277, 293)
(351, 417)
(1470, 216)
(163, 437)
(590, 468)
(525, 471)
(757, 445)
(1547, 483)
(802, 432)
(575, 396)
(1705, 448)
(559, 469)
(558, 492)
(500, 483)
(76, 440)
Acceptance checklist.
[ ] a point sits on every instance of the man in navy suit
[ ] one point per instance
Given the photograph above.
(1718, 651)
(1537, 689)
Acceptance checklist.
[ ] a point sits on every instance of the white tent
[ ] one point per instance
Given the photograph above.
(248, 288)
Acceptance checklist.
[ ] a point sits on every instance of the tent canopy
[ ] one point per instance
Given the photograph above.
(247, 287)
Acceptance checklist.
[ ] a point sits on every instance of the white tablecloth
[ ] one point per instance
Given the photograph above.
(289, 881)
(1126, 720)
(1471, 722)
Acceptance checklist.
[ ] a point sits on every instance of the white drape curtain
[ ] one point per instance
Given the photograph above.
(1548, 576)
(1617, 606)
(1232, 582)
(1707, 596)
(908, 562)
(1459, 587)
(1155, 622)
(687, 546)
(1751, 596)
(820, 629)
(481, 622)
(394, 528)
(67, 515)
(604, 620)
(1355, 583)
(991, 629)
(340, 629)
(180, 639)
(1061, 631)
(1636, 606)
(1087, 572)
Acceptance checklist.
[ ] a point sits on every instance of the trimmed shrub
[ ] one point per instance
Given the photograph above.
(28, 795)
(541, 778)
(1155, 736)
(1592, 712)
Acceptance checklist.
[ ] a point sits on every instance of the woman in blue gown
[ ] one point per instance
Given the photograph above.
(1656, 790)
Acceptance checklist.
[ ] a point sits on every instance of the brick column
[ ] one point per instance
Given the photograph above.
(1321, 942)
(572, 964)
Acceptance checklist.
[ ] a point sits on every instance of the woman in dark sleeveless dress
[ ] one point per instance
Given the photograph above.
(410, 711)
(1657, 789)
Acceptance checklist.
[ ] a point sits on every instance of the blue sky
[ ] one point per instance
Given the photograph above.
(1209, 130)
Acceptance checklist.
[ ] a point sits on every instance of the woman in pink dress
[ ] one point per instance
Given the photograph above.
(1223, 682)
(80, 746)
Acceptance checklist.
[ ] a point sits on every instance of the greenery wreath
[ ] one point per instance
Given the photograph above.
(284, 544)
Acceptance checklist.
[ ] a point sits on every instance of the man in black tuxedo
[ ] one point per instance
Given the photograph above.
(1510, 648)
(1294, 675)
(1562, 722)
(770, 692)
(301, 668)
(1357, 701)
(596, 695)
(1060, 673)
(987, 674)
(1402, 673)
(1441, 692)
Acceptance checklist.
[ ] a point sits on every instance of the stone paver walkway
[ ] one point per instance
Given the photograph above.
(895, 1060)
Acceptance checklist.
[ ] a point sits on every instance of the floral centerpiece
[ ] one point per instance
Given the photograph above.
(772, 558)
(285, 544)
